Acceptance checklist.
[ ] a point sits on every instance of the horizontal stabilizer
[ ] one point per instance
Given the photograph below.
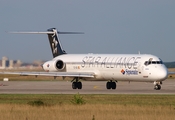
(32, 32)
(46, 32)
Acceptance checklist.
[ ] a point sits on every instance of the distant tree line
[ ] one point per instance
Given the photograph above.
(170, 64)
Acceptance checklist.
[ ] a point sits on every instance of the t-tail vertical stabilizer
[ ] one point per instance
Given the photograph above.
(55, 44)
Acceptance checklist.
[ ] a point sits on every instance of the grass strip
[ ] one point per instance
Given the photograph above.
(56, 99)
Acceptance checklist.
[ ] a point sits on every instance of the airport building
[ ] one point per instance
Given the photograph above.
(5, 63)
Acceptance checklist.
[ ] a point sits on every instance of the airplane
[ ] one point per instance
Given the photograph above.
(107, 67)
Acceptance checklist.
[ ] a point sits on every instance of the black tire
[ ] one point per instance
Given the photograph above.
(108, 85)
(113, 85)
(79, 85)
(74, 85)
(157, 87)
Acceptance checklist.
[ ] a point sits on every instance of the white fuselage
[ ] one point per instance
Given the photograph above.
(119, 67)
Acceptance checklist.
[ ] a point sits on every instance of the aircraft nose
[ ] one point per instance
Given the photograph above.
(163, 73)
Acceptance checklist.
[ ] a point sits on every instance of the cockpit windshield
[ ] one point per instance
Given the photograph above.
(153, 62)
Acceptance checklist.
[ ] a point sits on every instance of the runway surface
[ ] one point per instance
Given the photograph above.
(89, 87)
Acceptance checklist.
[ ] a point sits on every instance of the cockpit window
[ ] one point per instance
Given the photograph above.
(159, 62)
(152, 62)
(146, 63)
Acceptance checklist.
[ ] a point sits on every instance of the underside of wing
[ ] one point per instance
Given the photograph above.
(54, 74)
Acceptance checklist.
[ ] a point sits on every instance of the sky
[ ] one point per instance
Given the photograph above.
(110, 26)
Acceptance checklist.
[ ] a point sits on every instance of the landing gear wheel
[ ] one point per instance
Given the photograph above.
(76, 85)
(157, 87)
(111, 85)
(79, 85)
(108, 85)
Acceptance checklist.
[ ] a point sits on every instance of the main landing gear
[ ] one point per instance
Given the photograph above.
(157, 85)
(76, 84)
(111, 85)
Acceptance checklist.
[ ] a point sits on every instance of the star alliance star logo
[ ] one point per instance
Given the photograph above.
(122, 71)
(54, 45)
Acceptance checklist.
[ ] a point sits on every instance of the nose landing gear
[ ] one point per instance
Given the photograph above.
(157, 85)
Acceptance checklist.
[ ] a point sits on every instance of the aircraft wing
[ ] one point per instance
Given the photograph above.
(54, 74)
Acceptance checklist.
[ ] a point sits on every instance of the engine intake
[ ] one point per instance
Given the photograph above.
(60, 65)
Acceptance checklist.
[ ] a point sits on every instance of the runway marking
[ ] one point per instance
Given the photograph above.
(96, 87)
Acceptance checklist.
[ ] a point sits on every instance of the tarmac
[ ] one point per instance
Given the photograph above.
(89, 87)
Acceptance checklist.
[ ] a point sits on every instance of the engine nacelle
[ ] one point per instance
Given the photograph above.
(53, 66)
(60, 65)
